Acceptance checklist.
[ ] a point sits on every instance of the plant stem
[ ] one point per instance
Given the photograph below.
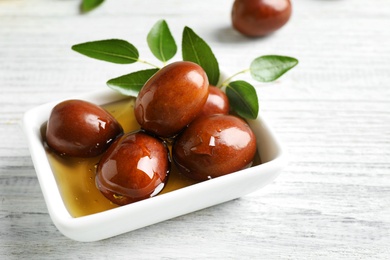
(226, 81)
(148, 63)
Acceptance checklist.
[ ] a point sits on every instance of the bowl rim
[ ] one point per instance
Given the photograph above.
(91, 227)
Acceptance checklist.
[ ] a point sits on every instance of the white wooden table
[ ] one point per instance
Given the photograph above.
(332, 112)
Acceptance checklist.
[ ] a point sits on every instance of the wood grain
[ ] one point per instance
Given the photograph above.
(332, 112)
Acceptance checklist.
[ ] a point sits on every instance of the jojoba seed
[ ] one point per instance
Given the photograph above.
(134, 168)
(213, 146)
(81, 129)
(260, 17)
(217, 103)
(172, 98)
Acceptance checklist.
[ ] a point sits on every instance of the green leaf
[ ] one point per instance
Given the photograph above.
(195, 49)
(243, 99)
(270, 67)
(89, 5)
(131, 84)
(113, 50)
(161, 42)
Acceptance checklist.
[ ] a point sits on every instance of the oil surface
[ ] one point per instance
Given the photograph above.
(76, 176)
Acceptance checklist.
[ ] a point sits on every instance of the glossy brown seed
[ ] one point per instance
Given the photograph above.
(217, 103)
(81, 129)
(134, 168)
(260, 17)
(172, 98)
(214, 146)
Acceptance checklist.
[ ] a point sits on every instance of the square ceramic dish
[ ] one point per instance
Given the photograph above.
(123, 219)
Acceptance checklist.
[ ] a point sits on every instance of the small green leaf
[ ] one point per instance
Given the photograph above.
(243, 99)
(131, 84)
(195, 49)
(161, 42)
(270, 67)
(89, 5)
(113, 50)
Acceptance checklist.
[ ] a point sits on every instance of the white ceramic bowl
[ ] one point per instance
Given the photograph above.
(169, 205)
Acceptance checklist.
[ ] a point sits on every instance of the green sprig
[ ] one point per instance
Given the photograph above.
(113, 50)
(195, 49)
(161, 42)
(242, 95)
(89, 5)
